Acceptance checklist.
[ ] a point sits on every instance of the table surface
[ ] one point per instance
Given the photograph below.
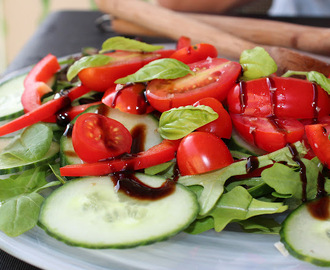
(67, 32)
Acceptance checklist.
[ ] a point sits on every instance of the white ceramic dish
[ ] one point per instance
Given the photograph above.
(211, 250)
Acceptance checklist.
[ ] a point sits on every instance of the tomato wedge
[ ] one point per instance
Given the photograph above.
(182, 42)
(195, 53)
(129, 98)
(282, 97)
(222, 126)
(318, 139)
(213, 78)
(201, 152)
(96, 137)
(163, 152)
(35, 83)
(269, 134)
(123, 63)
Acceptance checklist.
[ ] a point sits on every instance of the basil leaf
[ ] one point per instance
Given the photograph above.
(179, 122)
(257, 63)
(96, 60)
(32, 144)
(320, 79)
(165, 68)
(127, 44)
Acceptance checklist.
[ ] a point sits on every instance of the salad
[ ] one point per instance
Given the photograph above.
(132, 144)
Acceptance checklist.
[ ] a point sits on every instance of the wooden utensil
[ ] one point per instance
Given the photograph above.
(305, 38)
(174, 25)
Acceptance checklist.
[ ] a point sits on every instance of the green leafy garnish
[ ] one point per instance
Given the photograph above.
(178, 122)
(96, 60)
(257, 63)
(312, 76)
(165, 68)
(127, 44)
(20, 201)
(32, 144)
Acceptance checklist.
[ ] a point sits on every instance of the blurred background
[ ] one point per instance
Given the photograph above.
(19, 19)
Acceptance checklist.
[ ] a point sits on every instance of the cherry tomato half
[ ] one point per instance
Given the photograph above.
(267, 133)
(212, 78)
(198, 52)
(222, 126)
(96, 137)
(123, 64)
(282, 97)
(129, 98)
(200, 152)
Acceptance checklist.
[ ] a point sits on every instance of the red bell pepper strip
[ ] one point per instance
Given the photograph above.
(318, 139)
(35, 83)
(163, 152)
(43, 111)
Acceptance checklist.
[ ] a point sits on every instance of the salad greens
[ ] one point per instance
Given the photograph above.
(224, 196)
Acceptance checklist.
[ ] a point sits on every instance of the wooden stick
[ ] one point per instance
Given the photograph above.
(305, 38)
(174, 25)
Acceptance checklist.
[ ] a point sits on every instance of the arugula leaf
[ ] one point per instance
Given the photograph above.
(257, 63)
(96, 60)
(159, 169)
(166, 68)
(260, 224)
(19, 201)
(127, 44)
(213, 182)
(32, 144)
(285, 180)
(238, 204)
(178, 122)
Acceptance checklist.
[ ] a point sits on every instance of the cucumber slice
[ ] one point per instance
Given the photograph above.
(10, 164)
(134, 121)
(237, 143)
(307, 237)
(89, 212)
(10, 97)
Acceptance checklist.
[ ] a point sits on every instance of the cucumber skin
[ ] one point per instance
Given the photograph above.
(33, 164)
(121, 246)
(291, 249)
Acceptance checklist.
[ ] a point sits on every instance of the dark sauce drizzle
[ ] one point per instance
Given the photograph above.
(133, 187)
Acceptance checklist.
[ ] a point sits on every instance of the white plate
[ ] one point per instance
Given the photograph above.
(226, 250)
(211, 250)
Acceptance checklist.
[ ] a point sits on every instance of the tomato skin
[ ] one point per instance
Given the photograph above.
(195, 53)
(222, 126)
(129, 98)
(200, 152)
(182, 42)
(290, 97)
(163, 152)
(267, 133)
(35, 83)
(124, 63)
(318, 138)
(96, 137)
(213, 78)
